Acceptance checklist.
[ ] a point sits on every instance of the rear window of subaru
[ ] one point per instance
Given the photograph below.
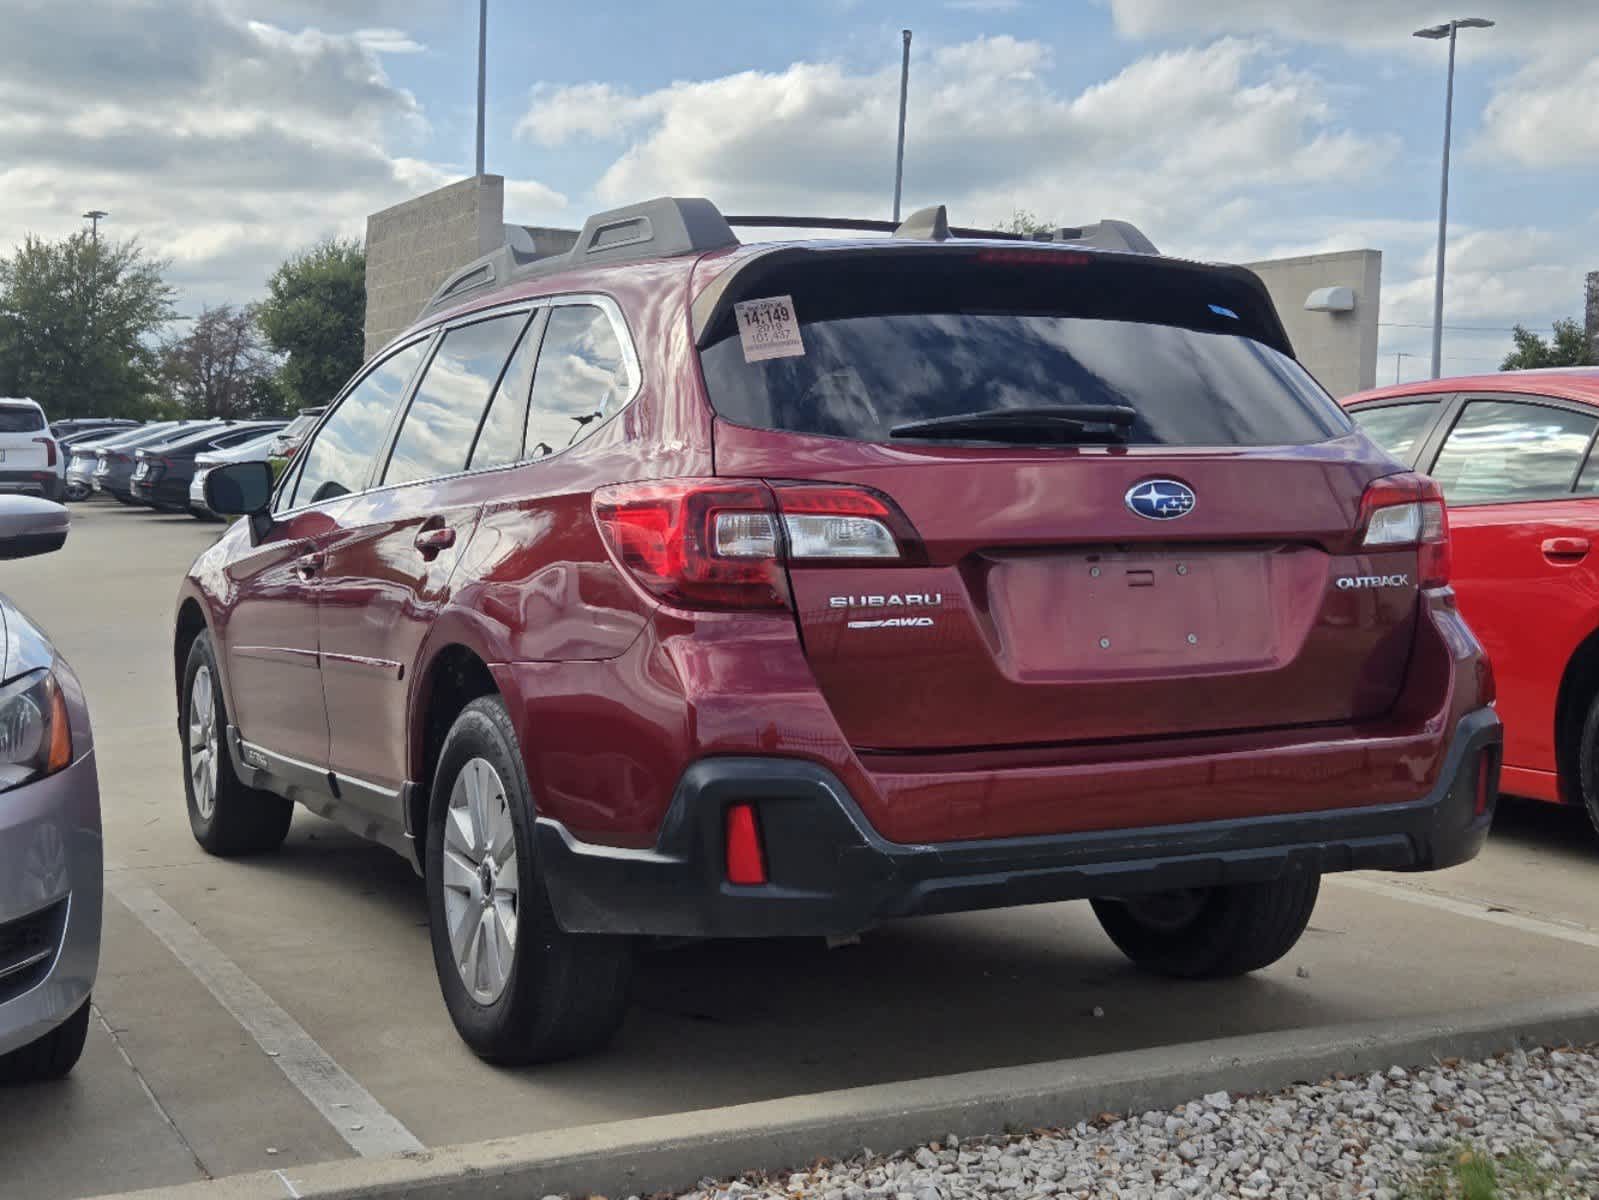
(862, 344)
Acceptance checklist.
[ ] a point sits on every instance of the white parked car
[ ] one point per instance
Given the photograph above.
(31, 463)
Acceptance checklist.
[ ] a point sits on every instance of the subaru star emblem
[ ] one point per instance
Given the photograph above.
(1160, 499)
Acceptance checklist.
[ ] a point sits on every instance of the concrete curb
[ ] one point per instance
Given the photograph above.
(673, 1152)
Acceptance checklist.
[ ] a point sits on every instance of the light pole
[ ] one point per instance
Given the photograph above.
(482, 76)
(93, 217)
(904, 87)
(1434, 32)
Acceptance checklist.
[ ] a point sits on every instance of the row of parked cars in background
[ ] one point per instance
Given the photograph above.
(163, 464)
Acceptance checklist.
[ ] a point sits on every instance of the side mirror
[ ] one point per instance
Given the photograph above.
(29, 526)
(238, 489)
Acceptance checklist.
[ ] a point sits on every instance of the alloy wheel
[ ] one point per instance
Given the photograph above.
(480, 880)
(203, 743)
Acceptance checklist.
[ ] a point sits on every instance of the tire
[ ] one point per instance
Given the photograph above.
(227, 817)
(51, 1056)
(1588, 763)
(562, 994)
(1212, 933)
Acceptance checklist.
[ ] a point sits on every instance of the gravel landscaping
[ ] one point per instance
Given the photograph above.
(1394, 1135)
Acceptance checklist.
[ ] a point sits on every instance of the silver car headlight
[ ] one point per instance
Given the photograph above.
(35, 734)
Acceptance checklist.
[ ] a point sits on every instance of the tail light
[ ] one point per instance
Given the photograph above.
(1408, 510)
(723, 543)
(49, 445)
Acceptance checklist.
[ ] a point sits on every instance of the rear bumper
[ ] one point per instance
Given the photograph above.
(48, 484)
(831, 873)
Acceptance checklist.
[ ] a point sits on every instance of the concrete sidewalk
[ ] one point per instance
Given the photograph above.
(673, 1152)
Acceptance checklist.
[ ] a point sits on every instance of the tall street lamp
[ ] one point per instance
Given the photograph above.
(93, 217)
(1435, 32)
(904, 88)
(482, 77)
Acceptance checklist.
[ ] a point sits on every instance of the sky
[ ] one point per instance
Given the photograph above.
(225, 134)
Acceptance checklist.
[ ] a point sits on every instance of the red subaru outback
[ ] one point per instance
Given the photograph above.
(675, 586)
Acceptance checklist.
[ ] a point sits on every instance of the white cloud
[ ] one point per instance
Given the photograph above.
(1524, 27)
(1544, 116)
(225, 143)
(1179, 141)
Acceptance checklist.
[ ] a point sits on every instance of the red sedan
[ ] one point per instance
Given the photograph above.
(1514, 455)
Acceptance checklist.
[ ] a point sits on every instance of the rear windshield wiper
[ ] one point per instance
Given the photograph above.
(1065, 423)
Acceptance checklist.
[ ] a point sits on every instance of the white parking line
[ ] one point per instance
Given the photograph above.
(1481, 910)
(369, 1128)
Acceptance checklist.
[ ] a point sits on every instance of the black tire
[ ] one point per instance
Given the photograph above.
(1212, 933)
(563, 994)
(239, 819)
(51, 1056)
(1588, 764)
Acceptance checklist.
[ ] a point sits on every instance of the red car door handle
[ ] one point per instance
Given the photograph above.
(1565, 548)
(431, 541)
(308, 565)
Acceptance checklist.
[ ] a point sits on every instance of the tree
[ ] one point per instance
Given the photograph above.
(315, 316)
(78, 325)
(1024, 220)
(1568, 347)
(221, 367)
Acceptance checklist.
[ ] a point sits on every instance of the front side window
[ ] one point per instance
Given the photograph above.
(1506, 450)
(582, 377)
(339, 458)
(1398, 428)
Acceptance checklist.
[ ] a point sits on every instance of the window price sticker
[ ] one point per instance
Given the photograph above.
(768, 328)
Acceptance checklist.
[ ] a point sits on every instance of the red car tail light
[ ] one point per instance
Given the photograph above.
(746, 864)
(670, 537)
(1408, 510)
(49, 445)
(723, 543)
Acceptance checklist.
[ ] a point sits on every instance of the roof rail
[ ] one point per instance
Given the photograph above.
(671, 226)
(660, 228)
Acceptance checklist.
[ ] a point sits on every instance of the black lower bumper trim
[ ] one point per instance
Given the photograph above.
(831, 873)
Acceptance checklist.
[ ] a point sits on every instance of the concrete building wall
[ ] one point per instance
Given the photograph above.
(412, 247)
(1339, 349)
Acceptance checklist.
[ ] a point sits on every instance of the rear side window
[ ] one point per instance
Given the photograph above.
(339, 458)
(1505, 450)
(499, 441)
(16, 418)
(894, 341)
(437, 433)
(582, 378)
(1397, 428)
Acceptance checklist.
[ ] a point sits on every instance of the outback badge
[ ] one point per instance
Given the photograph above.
(1160, 499)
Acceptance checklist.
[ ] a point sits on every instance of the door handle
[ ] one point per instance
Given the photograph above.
(308, 565)
(431, 541)
(1565, 549)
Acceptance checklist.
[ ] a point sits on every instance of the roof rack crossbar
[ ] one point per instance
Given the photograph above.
(866, 225)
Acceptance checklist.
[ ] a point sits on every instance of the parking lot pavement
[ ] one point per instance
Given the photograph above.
(319, 954)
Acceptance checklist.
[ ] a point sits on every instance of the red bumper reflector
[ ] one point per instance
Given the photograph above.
(1485, 773)
(746, 865)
